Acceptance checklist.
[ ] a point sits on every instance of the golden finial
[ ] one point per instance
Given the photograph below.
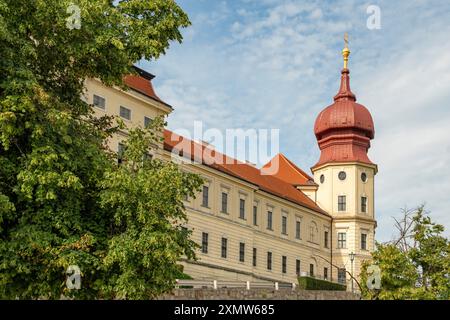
(346, 51)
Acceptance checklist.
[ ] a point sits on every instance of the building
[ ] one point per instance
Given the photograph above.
(270, 227)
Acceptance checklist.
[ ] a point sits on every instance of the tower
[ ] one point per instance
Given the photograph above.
(345, 176)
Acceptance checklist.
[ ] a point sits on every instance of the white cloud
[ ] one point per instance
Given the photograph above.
(272, 64)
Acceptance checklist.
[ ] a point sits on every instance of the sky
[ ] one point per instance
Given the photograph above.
(276, 64)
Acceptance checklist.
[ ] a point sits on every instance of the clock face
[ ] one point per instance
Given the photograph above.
(364, 177)
(322, 178)
(342, 175)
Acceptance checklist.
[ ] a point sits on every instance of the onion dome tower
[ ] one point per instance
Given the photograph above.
(345, 128)
(345, 176)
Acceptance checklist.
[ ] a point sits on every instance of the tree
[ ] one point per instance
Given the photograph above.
(63, 199)
(416, 264)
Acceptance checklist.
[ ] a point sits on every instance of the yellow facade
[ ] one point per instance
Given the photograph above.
(310, 248)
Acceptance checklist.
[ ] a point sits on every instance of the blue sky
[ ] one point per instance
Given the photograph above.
(276, 64)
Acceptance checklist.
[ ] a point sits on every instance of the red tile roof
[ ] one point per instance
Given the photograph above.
(288, 171)
(142, 83)
(269, 183)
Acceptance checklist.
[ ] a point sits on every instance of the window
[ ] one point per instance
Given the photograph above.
(284, 225)
(147, 157)
(269, 220)
(241, 252)
(297, 230)
(342, 203)
(125, 113)
(224, 247)
(311, 270)
(205, 196)
(147, 122)
(99, 102)
(364, 177)
(255, 215)
(342, 238)
(204, 242)
(120, 152)
(224, 202)
(341, 275)
(364, 204)
(363, 241)
(254, 256)
(269, 260)
(242, 208)
(297, 267)
(325, 273)
(342, 175)
(325, 239)
(284, 264)
(322, 178)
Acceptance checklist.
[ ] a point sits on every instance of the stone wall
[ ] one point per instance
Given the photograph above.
(257, 294)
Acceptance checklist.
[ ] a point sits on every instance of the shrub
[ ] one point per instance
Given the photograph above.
(308, 283)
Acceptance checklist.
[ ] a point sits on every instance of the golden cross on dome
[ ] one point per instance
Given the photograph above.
(346, 51)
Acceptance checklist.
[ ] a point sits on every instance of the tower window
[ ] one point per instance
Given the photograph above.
(325, 239)
(322, 178)
(325, 273)
(342, 240)
(363, 241)
(204, 242)
(342, 203)
(254, 256)
(364, 177)
(311, 270)
(284, 264)
(342, 175)
(364, 204)
(297, 267)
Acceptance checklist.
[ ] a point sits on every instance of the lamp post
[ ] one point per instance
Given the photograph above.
(352, 257)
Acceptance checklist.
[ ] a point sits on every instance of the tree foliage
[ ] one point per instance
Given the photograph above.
(416, 265)
(63, 199)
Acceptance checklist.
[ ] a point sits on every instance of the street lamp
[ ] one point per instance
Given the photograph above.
(352, 257)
